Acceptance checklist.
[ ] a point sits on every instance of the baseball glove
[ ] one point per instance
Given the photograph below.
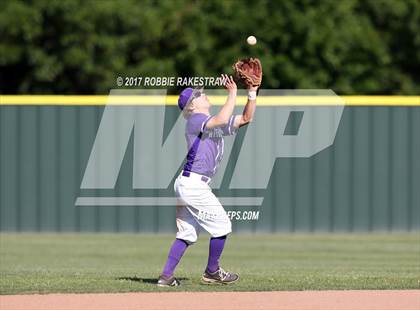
(249, 71)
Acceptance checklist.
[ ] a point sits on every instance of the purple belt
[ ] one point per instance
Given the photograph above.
(203, 177)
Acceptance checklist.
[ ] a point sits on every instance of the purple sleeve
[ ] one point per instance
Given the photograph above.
(229, 130)
(197, 123)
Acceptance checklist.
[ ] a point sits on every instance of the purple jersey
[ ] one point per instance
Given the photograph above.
(205, 146)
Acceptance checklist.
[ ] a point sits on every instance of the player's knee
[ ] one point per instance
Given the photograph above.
(189, 236)
(191, 240)
(223, 231)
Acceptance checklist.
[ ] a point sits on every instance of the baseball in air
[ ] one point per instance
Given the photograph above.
(251, 40)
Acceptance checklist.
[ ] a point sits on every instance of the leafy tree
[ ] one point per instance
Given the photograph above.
(75, 46)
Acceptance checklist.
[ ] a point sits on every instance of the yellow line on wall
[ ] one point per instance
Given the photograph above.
(94, 100)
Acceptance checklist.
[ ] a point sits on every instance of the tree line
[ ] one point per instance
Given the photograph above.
(81, 47)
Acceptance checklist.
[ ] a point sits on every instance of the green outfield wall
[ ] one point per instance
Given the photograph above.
(368, 180)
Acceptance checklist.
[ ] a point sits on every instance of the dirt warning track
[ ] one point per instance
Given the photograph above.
(299, 300)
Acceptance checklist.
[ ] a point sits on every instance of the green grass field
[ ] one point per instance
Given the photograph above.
(46, 263)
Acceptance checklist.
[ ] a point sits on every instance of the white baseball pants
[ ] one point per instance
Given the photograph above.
(198, 208)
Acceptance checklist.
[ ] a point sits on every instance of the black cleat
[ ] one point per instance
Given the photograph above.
(219, 277)
(167, 282)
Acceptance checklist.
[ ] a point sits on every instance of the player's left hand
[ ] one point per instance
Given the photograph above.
(230, 84)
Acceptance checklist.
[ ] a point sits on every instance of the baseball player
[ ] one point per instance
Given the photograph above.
(198, 207)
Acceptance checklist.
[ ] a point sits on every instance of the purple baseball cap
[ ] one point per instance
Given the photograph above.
(187, 95)
(184, 97)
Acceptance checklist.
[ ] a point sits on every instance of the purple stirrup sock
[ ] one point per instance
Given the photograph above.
(175, 253)
(215, 251)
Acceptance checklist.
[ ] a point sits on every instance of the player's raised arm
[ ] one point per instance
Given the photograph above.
(249, 110)
(222, 118)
